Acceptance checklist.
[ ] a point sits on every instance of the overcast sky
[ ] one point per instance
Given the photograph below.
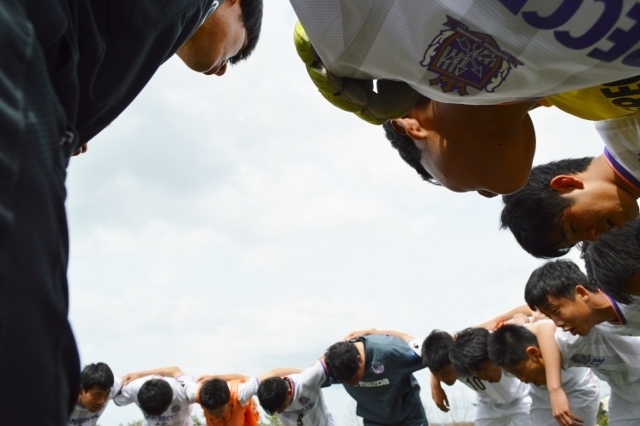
(241, 223)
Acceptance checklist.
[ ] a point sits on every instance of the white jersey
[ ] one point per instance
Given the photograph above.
(614, 359)
(628, 322)
(507, 397)
(307, 404)
(80, 416)
(582, 392)
(178, 413)
(621, 137)
(476, 51)
(246, 390)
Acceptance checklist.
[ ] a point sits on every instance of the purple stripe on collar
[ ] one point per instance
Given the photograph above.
(622, 320)
(620, 169)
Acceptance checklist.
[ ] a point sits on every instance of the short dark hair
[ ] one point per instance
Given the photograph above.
(406, 147)
(469, 350)
(252, 20)
(533, 213)
(214, 393)
(507, 346)
(98, 374)
(557, 279)
(155, 396)
(342, 360)
(272, 394)
(435, 350)
(613, 261)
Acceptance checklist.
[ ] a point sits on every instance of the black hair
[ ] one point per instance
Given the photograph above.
(469, 350)
(213, 394)
(98, 374)
(252, 20)
(557, 279)
(155, 396)
(342, 360)
(406, 147)
(613, 261)
(507, 346)
(435, 350)
(533, 213)
(272, 394)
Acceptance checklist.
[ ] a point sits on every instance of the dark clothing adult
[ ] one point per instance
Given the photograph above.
(388, 393)
(67, 69)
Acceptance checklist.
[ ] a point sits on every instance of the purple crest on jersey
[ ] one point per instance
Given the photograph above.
(175, 408)
(463, 58)
(377, 368)
(303, 400)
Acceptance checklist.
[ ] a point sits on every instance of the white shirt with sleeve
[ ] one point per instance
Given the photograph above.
(178, 413)
(621, 137)
(614, 359)
(80, 416)
(477, 52)
(507, 400)
(582, 392)
(307, 403)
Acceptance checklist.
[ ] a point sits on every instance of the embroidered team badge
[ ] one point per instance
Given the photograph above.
(377, 368)
(463, 58)
(303, 400)
(175, 408)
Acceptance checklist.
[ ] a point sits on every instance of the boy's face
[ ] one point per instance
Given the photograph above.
(446, 375)
(572, 315)
(219, 412)
(488, 372)
(596, 210)
(530, 370)
(93, 399)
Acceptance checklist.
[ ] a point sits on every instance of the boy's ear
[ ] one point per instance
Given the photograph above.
(582, 293)
(408, 126)
(566, 183)
(533, 352)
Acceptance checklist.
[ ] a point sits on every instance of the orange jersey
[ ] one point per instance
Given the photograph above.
(236, 414)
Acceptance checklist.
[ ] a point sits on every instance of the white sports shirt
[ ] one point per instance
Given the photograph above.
(477, 51)
(613, 358)
(621, 137)
(307, 405)
(505, 392)
(80, 416)
(178, 413)
(581, 390)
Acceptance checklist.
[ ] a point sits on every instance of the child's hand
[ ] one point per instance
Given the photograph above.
(561, 410)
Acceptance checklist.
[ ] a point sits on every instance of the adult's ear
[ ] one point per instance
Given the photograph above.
(408, 126)
(566, 183)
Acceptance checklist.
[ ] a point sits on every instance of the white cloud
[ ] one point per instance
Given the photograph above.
(241, 223)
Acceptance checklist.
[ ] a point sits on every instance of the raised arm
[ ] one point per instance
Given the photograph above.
(545, 333)
(225, 377)
(494, 323)
(355, 334)
(438, 394)
(279, 372)
(174, 372)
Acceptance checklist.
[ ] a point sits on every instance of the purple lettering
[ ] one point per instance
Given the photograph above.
(604, 24)
(622, 41)
(561, 16)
